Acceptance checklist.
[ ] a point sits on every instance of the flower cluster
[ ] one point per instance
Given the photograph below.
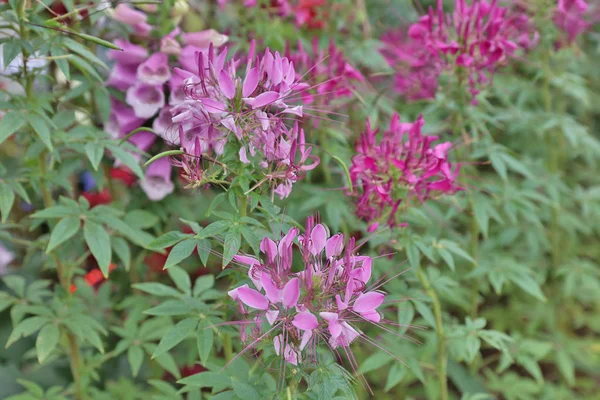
(324, 300)
(251, 110)
(477, 38)
(150, 87)
(570, 17)
(328, 71)
(401, 165)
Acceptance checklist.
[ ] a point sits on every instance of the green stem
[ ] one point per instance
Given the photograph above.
(227, 347)
(439, 329)
(243, 205)
(475, 255)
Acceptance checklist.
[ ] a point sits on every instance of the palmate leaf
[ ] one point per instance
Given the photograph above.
(65, 229)
(175, 335)
(98, 241)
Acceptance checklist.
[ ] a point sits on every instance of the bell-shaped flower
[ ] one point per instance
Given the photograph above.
(155, 70)
(145, 99)
(157, 182)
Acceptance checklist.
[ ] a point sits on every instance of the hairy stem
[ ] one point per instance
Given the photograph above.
(439, 329)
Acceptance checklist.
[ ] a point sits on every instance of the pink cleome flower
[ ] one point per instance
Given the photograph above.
(401, 165)
(250, 111)
(323, 301)
(478, 38)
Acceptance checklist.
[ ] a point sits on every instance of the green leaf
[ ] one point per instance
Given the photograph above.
(102, 100)
(204, 341)
(203, 283)
(213, 229)
(55, 212)
(566, 366)
(141, 219)
(170, 308)
(11, 122)
(166, 240)
(46, 341)
(98, 241)
(16, 283)
(231, 246)
(63, 231)
(10, 50)
(157, 289)
(84, 52)
(454, 248)
(7, 198)
(135, 356)
(181, 278)
(122, 250)
(94, 152)
(245, 391)
(206, 379)
(180, 252)
(175, 335)
(204, 246)
(127, 159)
(26, 328)
(62, 62)
(414, 258)
(374, 362)
(397, 372)
(40, 127)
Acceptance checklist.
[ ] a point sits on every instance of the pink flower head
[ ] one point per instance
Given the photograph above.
(570, 17)
(131, 54)
(324, 299)
(402, 164)
(157, 182)
(479, 37)
(248, 110)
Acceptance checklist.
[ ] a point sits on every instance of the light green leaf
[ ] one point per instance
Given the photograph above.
(11, 122)
(7, 198)
(63, 231)
(245, 391)
(41, 128)
(46, 341)
(181, 278)
(180, 252)
(204, 341)
(206, 379)
(175, 335)
(157, 289)
(135, 356)
(94, 152)
(98, 241)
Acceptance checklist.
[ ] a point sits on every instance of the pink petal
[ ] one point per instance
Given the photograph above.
(252, 298)
(268, 247)
(250, 83)
(334, 246)
(371, 316)
(226, 84)
(272, 291)
(340, 304)
(262, 99)
(305, 339)
(368, 302)
(250, 261)
(319, 238)
(305, 320)
(233, 293)
(213, 106)
(291, 293)
(272, 316)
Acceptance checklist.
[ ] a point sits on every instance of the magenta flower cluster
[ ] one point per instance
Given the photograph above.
(252, 109)
(401, 164)
(570, 17)
(322, 301)
(477, 38)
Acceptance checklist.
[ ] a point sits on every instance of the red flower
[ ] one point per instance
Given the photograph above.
(97, 198)
(124, 175)
(94, 278)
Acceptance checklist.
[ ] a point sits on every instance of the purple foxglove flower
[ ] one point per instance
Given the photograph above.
(157, 182)
(155, 70)
(127, 15)
(203, 39)
(6, 257)
(170, 46)
(122, 120)
(132, 54)
(122, 76)
(145, 99)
